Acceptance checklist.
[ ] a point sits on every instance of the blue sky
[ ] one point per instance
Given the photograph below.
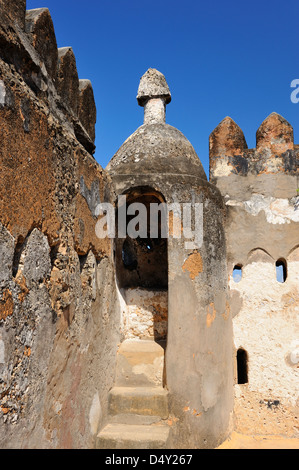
(220, 58)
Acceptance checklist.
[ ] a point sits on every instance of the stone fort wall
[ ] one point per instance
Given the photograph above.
(55, 272)
(260, 190)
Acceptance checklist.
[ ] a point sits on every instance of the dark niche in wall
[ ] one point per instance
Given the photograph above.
(142, 261)
(242, 366)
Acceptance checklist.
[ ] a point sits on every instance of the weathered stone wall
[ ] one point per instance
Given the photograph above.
(144, 314)
(259, 187)
(199, 368)
(58, 326)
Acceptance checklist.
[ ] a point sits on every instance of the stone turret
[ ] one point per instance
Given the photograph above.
(158, 164)
(155, 148)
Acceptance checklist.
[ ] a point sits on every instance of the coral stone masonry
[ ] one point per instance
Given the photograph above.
(179, 332)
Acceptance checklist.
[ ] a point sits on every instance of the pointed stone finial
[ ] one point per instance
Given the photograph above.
(153, 94)
(227, 139)
(276, 134)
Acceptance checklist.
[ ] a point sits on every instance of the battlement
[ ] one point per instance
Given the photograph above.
(274, 153)
(29, 47)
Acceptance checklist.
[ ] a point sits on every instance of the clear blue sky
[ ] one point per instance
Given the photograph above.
(220, 58)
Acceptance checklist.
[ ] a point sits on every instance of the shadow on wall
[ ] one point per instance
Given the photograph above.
(142, 261)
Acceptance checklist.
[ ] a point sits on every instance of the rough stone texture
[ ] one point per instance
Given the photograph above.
(198, 314)
(153, 85)
(275, 135)
(59, 324)
(145, 314)
(87, 108)
(67, 78)
(16, 10)
(226, 140)
(27, 334)
(154, 111)
(40, 26)
(7, 246)
(27, 164)
(18, 53)
(34, 258)
(156, 149)
(275, 152)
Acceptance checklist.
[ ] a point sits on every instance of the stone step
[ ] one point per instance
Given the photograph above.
(131, 418)
(130, 436)
(151, 401)
(140, 363)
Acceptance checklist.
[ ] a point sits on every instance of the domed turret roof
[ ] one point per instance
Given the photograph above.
(155, 147)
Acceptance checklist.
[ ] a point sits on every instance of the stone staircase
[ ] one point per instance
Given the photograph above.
(138, 403)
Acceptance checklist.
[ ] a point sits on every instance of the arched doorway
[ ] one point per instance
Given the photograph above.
(142, 263)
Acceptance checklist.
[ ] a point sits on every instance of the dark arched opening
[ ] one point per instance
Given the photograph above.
(141, 256)
(141, 260)
(242, 366)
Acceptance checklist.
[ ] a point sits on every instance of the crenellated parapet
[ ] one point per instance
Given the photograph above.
(275, 152)
(28, 44)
